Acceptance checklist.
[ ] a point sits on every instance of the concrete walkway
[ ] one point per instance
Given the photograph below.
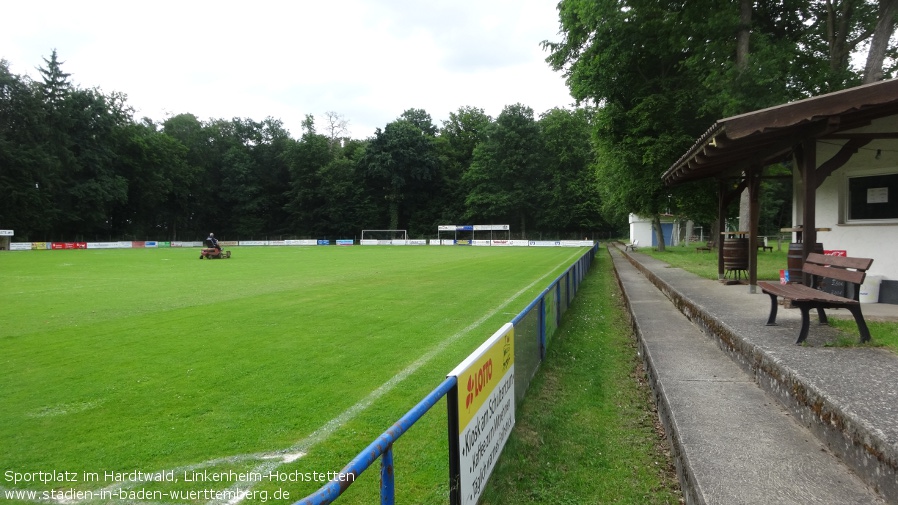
(752, 417)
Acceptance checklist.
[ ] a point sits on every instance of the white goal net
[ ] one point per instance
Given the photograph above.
(383, 236)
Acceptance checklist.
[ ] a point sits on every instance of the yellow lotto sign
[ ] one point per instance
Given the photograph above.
(478, 380)
(484, 410)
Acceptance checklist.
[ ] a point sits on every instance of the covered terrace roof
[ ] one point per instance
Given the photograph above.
(768, 136)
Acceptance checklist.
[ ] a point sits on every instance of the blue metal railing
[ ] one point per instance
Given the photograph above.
(382, 447)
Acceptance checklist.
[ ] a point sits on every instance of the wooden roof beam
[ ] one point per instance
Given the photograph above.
(840, 158)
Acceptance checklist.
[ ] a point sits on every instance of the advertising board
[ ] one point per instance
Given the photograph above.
(481, 415)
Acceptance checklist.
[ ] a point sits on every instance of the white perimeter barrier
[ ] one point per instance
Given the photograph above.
(508, 243)
(28, 246)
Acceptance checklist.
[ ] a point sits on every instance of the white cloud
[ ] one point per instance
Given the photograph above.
(368, 60)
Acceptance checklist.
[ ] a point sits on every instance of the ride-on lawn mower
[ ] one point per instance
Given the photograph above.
(213, 251)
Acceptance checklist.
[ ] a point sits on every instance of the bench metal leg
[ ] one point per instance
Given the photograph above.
(822, 315)
(771, 319)
(861, 324)
(805, 323)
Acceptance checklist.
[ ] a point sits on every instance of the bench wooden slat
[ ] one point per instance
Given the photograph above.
(834, 273)
(802, 293)
(862, 264)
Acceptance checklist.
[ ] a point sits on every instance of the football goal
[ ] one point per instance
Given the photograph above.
(384, 235)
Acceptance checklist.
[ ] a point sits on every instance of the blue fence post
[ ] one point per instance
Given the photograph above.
(557, 304)
(387, 484)
(567, 288)
(542, 326)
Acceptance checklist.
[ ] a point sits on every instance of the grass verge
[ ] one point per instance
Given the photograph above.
(588, 431)
(883, 334)
(704, 264)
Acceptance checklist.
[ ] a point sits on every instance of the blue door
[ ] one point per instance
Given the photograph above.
(667, 230)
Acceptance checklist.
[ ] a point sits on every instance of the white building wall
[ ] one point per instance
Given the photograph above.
(878, 241)
(641, 230)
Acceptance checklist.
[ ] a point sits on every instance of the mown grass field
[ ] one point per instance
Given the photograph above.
(279, 359)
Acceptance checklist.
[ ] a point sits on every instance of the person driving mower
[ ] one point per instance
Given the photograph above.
(212, 249)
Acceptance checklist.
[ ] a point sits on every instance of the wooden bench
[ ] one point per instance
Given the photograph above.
(831, 270)
(765, 248)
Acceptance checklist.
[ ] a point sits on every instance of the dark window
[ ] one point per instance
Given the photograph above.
(873, 197)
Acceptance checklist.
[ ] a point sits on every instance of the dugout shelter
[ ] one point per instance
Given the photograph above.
(5, 237)
(474, 232)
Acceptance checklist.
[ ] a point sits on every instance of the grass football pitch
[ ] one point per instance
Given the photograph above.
(148, 376)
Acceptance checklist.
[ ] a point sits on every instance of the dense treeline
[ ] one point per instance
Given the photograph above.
(652, 75)
(75, 165)
(663, 71)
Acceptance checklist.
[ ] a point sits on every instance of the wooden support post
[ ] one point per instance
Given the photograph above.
(754, 211)
(809, 220)
(721, 225)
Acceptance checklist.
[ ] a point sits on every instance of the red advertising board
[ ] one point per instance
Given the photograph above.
(68, 245)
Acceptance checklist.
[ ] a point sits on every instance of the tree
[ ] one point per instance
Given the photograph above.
(421, 119)
(630, 62)
(305, 160)
(240, 193)
(251, 174)
(758, 70)
(337, 126)
(54, 136)
(93, 185)
(346, 202)
(56, 85)
(159, 183)
(879, 44)
(573, 203)
(836, 28)
(401, 161)
(464, 129)
(459, 136)
(26, 206)
(203, 159)
(274, 175)
(662, 72)
(506, 179)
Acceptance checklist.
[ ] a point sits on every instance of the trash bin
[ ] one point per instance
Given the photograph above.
(795, 260)
(735, 254)
(869, 292)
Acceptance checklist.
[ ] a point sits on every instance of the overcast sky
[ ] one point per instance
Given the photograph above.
(368, 60)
